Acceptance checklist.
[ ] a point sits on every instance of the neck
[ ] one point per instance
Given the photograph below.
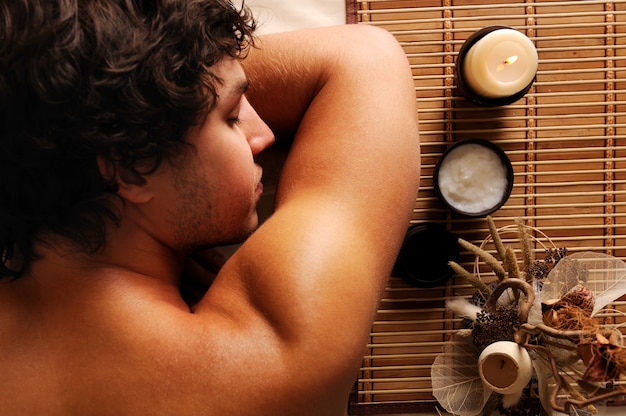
(131, 248)
(128, 249)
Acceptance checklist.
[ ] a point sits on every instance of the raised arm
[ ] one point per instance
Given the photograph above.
(309, 279)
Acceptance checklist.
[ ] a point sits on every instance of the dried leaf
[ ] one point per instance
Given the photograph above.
(574, 411)
(598, 357)
(545, 381)
(455, 379)
(604, 275)
(592, 389)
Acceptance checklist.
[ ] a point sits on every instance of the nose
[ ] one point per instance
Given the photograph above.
(259, 135)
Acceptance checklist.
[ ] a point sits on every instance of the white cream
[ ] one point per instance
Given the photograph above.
(472, 178)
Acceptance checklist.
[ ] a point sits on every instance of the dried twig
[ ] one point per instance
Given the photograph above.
(471, 278)
(517, 284)
(574, 336)
(495, 236)
(510, 261)
(528, 253)
(491, 261)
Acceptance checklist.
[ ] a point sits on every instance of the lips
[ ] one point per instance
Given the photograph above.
(259, 186)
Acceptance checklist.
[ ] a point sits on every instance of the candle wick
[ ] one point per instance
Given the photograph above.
(508, 61)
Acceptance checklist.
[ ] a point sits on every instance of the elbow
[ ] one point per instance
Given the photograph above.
(376, 46)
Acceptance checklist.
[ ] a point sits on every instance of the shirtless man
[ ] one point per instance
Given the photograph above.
(130, 132)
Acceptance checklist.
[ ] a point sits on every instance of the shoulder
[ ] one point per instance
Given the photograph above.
(179, 363)
(134, 352)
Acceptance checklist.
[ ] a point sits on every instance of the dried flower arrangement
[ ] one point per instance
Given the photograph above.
(545, 309)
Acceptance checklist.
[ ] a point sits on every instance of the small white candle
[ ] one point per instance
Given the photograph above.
(501, 64)
(505, 367)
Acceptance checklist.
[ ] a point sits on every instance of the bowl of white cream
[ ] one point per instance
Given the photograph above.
(473, 177)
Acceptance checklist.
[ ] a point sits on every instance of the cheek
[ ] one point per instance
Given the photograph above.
(228, 175)
(232, 163)
(226, 160)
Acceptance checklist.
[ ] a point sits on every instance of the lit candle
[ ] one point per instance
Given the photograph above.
(496, 65)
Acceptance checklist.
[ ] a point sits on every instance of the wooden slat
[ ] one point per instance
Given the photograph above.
(566, 139)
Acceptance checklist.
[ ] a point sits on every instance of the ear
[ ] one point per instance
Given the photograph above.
(132, 187)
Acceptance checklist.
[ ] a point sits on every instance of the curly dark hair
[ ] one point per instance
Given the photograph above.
(82, 79)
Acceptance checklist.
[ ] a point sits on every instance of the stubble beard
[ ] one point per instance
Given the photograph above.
(196, 220)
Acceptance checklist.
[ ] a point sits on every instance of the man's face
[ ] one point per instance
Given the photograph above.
(217, 185)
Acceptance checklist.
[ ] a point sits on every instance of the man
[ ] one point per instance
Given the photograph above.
(130, 131)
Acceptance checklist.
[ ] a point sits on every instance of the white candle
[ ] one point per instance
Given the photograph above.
(501, 64)
(505, 367)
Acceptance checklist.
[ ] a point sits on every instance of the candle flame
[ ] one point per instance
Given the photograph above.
(508, 61)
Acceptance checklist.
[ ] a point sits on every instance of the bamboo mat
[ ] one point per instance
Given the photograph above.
(566, 139)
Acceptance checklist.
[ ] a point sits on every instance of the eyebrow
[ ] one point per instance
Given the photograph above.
(241, 87)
